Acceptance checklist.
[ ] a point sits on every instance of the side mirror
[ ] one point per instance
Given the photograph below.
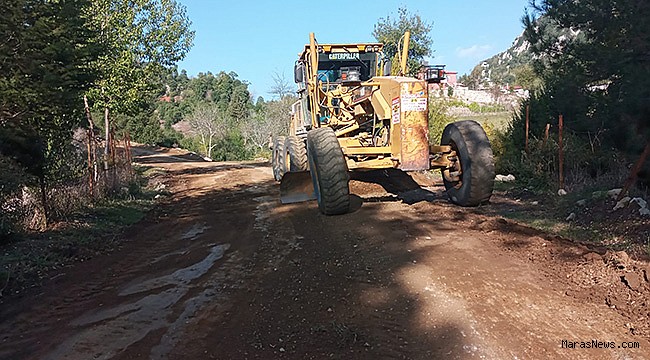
(299, 73)
(387, 66)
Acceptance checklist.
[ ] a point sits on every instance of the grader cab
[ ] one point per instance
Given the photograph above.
(352, 115)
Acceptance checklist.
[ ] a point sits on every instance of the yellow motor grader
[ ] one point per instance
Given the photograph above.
(352, 115)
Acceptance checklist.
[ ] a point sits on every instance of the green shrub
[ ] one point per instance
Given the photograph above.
(586, 161)
(438, 119)
(191, 143)
(169, 138)
(232, 148)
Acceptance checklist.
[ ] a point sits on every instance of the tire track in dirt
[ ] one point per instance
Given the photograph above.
(223, 270)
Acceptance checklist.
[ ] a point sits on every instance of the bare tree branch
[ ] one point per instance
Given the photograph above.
(273, 121)
(210, 125)
(281, 86)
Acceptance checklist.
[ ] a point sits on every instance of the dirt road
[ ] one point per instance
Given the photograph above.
(222, 270)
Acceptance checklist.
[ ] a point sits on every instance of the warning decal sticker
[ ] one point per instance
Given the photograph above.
(413, 102)
(396, 109)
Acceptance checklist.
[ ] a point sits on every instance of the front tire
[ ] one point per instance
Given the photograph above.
(474, 185)
(329, 172)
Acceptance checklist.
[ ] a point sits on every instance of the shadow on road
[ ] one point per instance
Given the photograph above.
(396, 182)
(159, 159)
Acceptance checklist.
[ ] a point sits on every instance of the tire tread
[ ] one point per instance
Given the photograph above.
(297, 154)
(479, 163)
(331, 173)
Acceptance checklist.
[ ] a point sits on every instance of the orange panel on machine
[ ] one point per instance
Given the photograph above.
(414, 129)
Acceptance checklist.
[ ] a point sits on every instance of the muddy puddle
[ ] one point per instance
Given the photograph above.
(105, 333)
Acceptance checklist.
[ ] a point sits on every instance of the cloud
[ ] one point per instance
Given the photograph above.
(473, 52)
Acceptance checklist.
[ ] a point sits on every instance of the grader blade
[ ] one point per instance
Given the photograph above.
(296, 187)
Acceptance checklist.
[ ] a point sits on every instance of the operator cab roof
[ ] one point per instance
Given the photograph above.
(343, 48)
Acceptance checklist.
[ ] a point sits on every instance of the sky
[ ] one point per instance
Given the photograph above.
(257, 39)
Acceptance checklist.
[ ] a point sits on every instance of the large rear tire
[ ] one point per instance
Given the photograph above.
(475, 161)
(296, 154)
(278, 159)
(329, 172)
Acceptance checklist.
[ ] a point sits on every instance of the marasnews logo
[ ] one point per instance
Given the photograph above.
(595, 344)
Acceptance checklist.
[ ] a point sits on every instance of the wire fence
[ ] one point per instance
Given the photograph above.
(106, 175)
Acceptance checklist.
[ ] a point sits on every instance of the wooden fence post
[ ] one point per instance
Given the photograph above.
(635, 171)
(561, 150)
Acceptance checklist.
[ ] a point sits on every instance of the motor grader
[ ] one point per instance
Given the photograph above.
(352, 115)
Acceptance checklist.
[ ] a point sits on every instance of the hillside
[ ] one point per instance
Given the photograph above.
(506, 67)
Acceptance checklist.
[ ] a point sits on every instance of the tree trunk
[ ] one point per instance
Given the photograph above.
(209, 152)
